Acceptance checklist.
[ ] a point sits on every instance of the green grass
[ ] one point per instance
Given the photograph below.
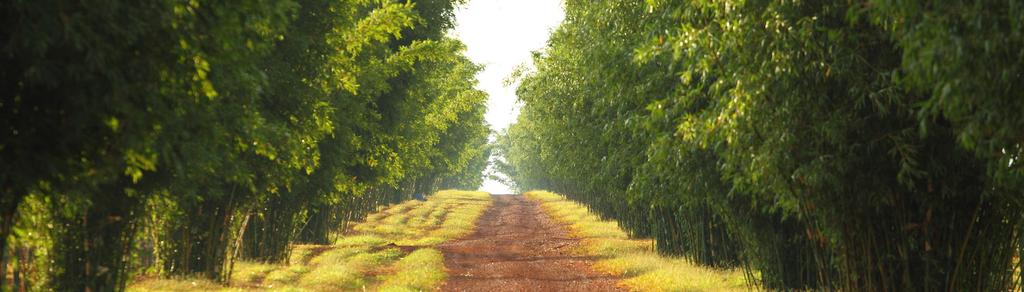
(362, 260)
(361, 240)
(643, 268)
(347, 272)
(421, 270)
(159, 285)
(247, 272)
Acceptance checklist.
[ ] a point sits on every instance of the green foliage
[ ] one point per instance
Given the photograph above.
(819, 144)
(177, 129)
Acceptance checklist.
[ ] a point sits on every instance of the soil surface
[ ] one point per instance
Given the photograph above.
(517, 247)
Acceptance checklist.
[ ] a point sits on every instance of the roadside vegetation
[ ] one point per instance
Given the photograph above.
(393, 250)
(177, 139)
(823, 145)
(644, 268)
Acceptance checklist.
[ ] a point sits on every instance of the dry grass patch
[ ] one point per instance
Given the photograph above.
(644, 269)
(346, 271)
(391, 251)
(154, 284)
(421, 270)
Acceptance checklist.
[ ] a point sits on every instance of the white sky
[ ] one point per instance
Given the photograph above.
(501, 34)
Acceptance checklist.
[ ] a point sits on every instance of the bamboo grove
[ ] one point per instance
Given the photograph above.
(175, 137)
(849, 145)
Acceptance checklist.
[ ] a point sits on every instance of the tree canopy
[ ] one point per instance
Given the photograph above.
(198, 132)
(818, 144)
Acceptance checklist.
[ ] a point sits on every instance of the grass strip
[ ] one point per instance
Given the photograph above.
(392, 250)
(643, 268)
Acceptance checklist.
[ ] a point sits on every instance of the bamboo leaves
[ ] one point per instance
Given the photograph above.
(232, 120)
(798, 136)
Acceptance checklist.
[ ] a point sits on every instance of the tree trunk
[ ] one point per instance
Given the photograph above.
(21, 280)
(318, 225)
(8, 210)
(92, 247)
(270, 232)
(236, 248)
(198, 242)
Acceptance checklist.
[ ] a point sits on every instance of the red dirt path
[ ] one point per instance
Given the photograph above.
(517, 247)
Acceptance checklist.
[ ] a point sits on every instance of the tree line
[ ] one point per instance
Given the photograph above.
(851, 145)
(175, 137)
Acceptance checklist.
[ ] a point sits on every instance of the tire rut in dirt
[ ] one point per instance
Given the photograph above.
(517, 247)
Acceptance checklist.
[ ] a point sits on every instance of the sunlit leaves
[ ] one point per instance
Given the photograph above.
(208, 112)
(814, 131)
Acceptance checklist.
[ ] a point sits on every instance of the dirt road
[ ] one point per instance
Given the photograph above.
(517, 247)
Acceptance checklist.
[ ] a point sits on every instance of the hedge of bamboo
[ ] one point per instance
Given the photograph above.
(173, 137)
(851, 145)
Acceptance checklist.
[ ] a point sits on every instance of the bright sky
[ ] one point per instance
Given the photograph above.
(501, 34)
